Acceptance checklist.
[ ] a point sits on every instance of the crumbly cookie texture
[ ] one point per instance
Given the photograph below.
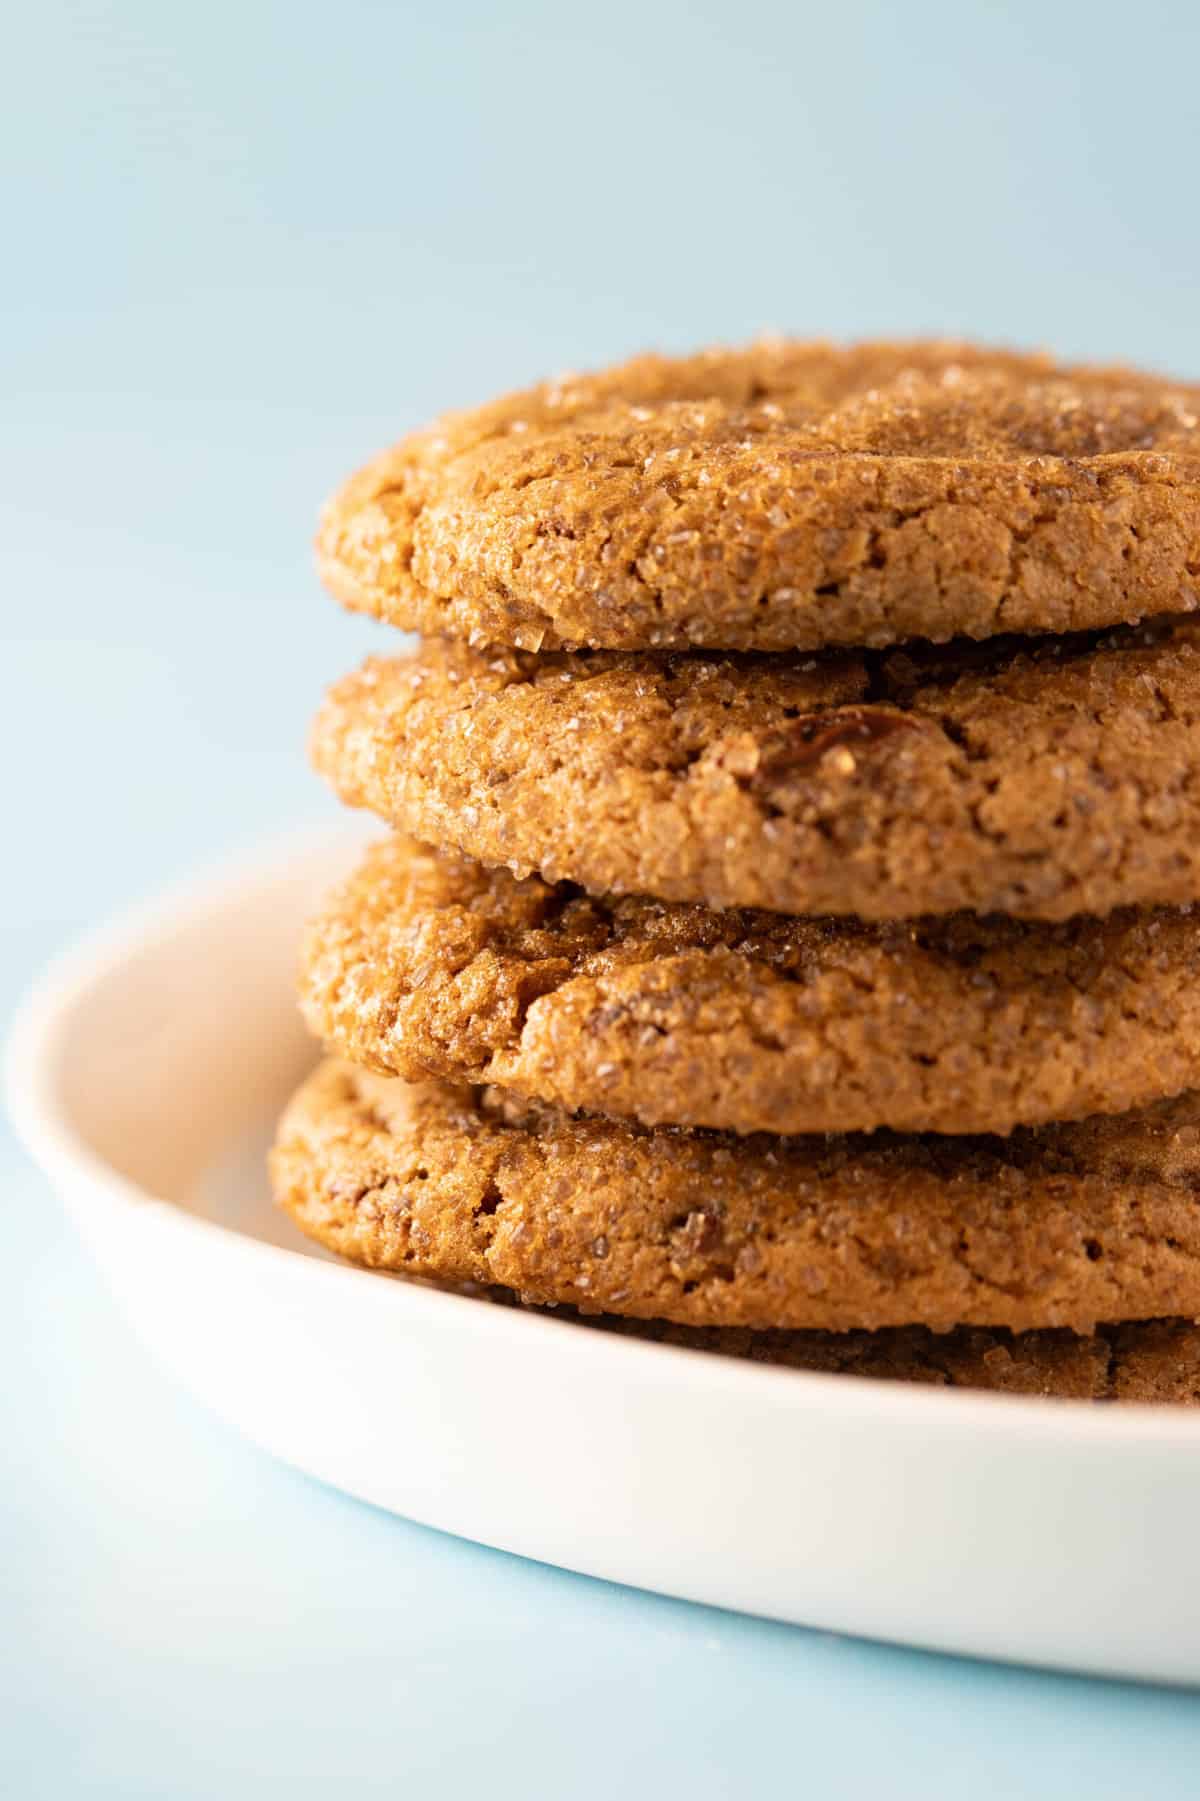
(784, 496)
(1154, 1361)
(1065, 1226)
(427, 963)
(1038, 778)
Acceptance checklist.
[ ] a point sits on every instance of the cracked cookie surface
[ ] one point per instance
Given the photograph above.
(1038, 778)
(426, 963)
(1062, 1226)
(784, 496)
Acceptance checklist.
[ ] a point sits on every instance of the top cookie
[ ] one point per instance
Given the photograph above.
(784, 496)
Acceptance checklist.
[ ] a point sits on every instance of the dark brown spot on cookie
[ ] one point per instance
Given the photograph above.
(810, 738)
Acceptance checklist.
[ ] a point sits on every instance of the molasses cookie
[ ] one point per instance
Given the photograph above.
(784, 496)
(1042, 778)
(1147, 1360)
(426, 963)
(1063, 1226)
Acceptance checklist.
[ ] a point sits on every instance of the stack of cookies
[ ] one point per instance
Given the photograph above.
(785, 944)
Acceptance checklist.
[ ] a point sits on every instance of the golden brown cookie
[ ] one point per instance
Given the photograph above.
(1060, 1226)
(427, 963)
(1040, 778)
(784, 496)
(1147, 1360)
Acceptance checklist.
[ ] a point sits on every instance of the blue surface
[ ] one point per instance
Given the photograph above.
(250, 244)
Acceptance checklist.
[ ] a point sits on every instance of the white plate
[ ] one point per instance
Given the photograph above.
(144, 1076)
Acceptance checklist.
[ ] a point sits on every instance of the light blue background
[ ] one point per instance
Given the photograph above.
(243, 246)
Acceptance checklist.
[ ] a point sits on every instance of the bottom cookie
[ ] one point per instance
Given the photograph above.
(1064, 1226)
(1145, 1360)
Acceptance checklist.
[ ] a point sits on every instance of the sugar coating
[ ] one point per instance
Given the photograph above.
(1039, 778)
(426, 963)
(784, 496)
(1062, 1226)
